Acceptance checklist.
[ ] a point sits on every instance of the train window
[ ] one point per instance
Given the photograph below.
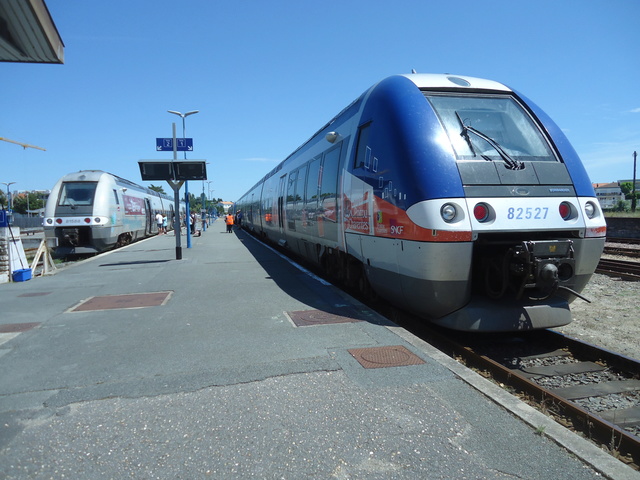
(329, 182)
(363, 150)
(77, 193)
(313, 181)
(115, 195)
(479, 126)
(291, 187)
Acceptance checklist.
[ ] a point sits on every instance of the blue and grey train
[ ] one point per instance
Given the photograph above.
(91, 211)
(455, 198)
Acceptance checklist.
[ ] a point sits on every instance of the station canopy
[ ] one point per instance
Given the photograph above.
(28, 34)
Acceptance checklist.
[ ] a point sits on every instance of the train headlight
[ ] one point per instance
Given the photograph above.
(58, 221)
(97, 219)
(590, 209)
(49, 221)
(481, 212)
(87, 220)
(448, 212)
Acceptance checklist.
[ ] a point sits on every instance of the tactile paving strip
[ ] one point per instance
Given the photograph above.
(18, 327)
(381, 357)
(132, 300)
(306, 318)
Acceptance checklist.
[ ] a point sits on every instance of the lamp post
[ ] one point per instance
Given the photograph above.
(8, 184)
(186, 183)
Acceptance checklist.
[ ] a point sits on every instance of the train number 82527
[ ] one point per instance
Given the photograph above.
(528, 213)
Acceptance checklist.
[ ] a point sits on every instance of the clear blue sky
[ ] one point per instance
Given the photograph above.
(266, 75)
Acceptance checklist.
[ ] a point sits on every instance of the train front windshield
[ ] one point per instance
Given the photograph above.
(490, 127)
(73, 194)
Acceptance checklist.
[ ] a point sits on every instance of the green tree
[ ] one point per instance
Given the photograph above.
(157, 188)
(27, 201)
(195, 203)
(3, 199)
(627, 189)
(621, 206)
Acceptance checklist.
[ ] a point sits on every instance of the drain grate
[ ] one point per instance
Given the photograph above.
(17, 327)
(381, 357)
(132, 300)
(306, 318)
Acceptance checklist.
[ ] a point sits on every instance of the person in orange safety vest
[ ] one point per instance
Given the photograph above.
(229, 222)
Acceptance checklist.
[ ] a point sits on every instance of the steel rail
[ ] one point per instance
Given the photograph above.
(619, 268)
(619, 442)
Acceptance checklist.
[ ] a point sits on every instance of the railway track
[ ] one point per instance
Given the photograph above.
(632, 241)
(619, 268)
(590, 390)
(617, 250)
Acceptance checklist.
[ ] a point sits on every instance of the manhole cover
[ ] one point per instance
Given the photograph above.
(305, 318)
(17, 327)
(380, 357)
(133, 300)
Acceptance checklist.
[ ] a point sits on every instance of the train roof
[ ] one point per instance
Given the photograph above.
(447, 81)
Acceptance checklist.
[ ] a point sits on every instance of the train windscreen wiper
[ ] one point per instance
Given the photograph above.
(465, 134)
(506, 158)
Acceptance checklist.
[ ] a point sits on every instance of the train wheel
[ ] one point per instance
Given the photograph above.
(124, 239)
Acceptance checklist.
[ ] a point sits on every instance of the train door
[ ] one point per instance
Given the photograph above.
(282, 188)
(150, 217)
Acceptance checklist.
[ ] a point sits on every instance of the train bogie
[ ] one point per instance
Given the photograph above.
(453, 197)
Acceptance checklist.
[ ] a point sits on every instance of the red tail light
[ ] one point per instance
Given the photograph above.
(481, 212)
(565, 210)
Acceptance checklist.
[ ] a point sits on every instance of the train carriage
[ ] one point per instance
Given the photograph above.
(453, 197)
(92, 211)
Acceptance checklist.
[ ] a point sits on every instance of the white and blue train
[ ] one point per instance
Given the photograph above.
(91, 211)
(455, 198)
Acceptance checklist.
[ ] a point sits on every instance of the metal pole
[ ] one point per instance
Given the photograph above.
(633, 191)
(203, 210)
(176, 200)
(186, 188)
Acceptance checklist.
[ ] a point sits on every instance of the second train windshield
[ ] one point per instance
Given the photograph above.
(73, 194)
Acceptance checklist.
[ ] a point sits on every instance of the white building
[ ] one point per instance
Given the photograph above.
(608, 194)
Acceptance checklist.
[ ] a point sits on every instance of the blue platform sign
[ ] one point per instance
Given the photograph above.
(166, 144)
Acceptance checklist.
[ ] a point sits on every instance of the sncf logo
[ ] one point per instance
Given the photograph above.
(397, 229)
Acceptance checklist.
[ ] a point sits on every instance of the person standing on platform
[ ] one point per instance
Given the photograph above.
(229, 222)
(159, 222)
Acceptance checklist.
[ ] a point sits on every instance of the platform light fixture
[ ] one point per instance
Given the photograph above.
(8, 184)
(186, 184)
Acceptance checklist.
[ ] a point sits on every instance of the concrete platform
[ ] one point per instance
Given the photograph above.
(234, 363)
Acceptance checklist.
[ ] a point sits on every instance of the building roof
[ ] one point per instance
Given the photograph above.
(28, 34)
